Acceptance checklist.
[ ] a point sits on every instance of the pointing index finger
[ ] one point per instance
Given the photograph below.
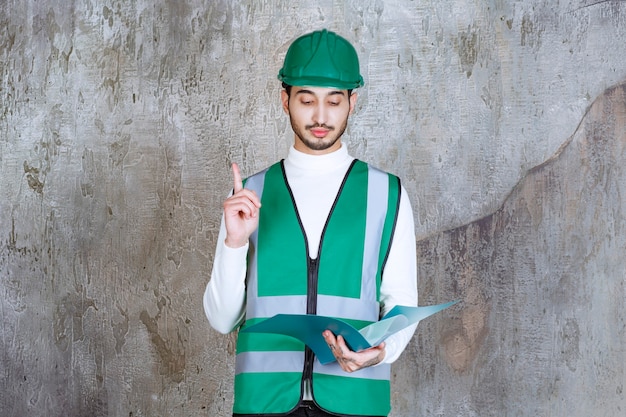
(238, 184)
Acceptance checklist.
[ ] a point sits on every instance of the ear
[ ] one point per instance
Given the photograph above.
(352, 102)
(284, 98)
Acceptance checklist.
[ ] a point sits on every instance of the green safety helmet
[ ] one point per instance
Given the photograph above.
(321, 59)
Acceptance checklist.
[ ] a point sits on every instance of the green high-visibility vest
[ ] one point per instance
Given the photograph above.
(343, 282)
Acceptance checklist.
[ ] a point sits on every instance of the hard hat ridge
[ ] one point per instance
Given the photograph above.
(321, 59)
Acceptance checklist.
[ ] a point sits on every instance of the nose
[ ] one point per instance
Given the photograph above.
(320, 115)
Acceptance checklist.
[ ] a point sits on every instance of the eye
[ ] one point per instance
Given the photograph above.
(334, 103)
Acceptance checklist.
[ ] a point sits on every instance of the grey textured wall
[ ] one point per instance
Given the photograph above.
(118, 121)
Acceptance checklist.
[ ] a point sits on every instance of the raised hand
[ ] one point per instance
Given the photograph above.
(241, 212)
(349, 360)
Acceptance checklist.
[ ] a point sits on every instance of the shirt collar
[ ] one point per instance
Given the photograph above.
(326, 162)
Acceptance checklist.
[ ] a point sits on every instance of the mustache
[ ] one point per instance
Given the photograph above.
(323, 125)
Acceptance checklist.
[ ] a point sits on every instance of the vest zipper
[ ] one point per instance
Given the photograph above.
(311, 302)
(311, 308)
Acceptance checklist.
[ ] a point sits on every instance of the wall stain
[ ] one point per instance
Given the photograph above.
(68, 318)
(467, 46)
(120, 330)
(468, 253)
(119, 149)
(569, 340)
(32, 178)
(170, 350)
(531, 32)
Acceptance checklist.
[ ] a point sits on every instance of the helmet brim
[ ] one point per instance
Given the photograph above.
(321, 82)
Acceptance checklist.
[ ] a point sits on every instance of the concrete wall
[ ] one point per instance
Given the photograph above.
(118, 121)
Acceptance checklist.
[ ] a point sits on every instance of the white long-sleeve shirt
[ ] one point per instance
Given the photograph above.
(315, 182)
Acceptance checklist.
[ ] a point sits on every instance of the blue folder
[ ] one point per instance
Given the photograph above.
(309, 328)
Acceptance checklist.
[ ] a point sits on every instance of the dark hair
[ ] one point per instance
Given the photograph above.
(287, 88)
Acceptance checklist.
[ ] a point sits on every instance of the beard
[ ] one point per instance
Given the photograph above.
(318, 144)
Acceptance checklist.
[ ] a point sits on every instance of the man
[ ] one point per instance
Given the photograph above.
(317, 233)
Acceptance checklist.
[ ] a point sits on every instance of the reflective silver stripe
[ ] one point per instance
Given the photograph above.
(288, 361)
(379, 372)
(377, 196)
(252, 285)
(293, 362)
(256, 184)
(272, 305)
(343, 307)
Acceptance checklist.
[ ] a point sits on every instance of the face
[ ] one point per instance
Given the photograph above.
(318, 116)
